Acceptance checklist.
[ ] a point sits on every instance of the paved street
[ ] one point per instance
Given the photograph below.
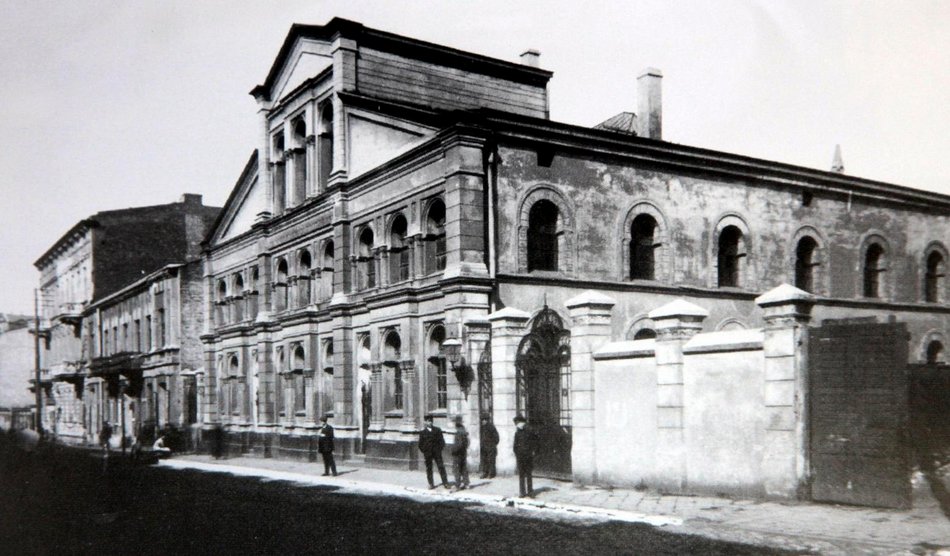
(70, 504)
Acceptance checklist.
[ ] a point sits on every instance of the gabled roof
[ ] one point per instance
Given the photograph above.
(405, 46)
(238, 193)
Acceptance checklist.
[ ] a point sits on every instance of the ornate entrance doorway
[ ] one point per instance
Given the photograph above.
(543, 383)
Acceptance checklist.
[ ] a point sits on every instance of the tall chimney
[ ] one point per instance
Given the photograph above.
(650, 104)
(531, 57)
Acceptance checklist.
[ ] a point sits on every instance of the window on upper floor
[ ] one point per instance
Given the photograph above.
(434, 238)
(304, 265)
(399, 252)
(935, 353)
(326, 275)
(874, 267)
(279, 175)
(365, 261)
(730, 255)
(392, 353)
(148, 333)
(643, 246)
(437, 378)
(238, 299)
(325, 146)
(805, 263)
(253, 293)
(298, 129)
(221, 303)
(934, 277)
(645, 334)
(543, 236)
(281, 286)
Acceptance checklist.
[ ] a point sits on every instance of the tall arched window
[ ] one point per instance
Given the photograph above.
(730, 256)
(281, 286)
(435, 237)
(934, 278)
(543, 236)
(221, 302)
(642, 248)
(935, 353)
(365, 262)
(437, 379)
(399, 253)
(252, 294)
(299, 130)
(326, 276)
(234, 393)
(873, 268)
(805, 264)
(238, 301)
(279, 174)
(325, 146)
(303, 279)
(299, 393)
(393, 374)
(326, 388)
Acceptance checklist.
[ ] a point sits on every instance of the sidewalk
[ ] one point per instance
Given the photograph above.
(821, 528)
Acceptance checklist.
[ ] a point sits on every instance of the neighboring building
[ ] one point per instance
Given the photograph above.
(97, 257)
(16, 371)
(413, 235)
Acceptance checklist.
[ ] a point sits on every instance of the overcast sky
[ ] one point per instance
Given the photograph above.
(107, 105)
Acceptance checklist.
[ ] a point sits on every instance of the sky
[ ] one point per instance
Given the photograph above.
(107, 105)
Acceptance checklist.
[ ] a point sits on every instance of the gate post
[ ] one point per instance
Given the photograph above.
(676, 322)
(787, 311)
(507, 329)
(590, 329)
(477, 338)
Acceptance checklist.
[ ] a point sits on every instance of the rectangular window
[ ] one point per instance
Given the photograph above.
(125, 337)
(105, 342)
(148, 333)
(138, 335)
(161, 328)
(115, 339)
(300, 404)
(397, 387)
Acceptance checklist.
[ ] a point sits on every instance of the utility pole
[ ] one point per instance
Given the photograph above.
(36, 358)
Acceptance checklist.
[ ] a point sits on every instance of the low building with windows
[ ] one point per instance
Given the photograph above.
(413, 235)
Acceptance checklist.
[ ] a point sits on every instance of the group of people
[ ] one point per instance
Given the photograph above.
(159, 447)
(432, 442)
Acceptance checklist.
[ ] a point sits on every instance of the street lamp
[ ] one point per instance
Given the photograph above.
(452, 349)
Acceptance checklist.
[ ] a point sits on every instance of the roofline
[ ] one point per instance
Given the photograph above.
(248, 167)
(383, 40)
(80, 227)
(133, 286)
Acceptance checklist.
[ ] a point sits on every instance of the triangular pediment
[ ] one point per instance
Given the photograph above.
(246, 201)
(307, 59)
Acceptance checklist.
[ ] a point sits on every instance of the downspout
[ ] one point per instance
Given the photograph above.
(491, 174)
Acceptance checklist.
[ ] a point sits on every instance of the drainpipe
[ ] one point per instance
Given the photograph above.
(492, 177)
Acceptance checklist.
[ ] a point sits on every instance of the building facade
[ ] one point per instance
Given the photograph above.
(413, 235)
(16, 371)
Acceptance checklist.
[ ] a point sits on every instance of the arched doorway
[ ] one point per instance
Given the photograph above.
(543, 383)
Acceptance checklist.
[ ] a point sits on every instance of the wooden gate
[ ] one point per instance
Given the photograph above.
(858, 406)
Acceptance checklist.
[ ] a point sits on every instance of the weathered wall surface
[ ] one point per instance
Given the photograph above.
(16, 368)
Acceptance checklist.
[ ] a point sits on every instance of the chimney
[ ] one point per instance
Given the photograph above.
(531, 57)
(837, 164)
(190, 199)
(650, 104)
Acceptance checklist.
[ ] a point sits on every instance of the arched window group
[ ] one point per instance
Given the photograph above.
(399, 252)
(434, 239)
(304, 276)
(365, 261)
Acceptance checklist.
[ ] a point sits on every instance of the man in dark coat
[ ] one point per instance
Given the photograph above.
(325, 446)
(525, 447)
(460, 455)
(489, 448)
(431, 443)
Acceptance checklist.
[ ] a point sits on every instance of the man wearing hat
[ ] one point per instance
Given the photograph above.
(325, 446)
(489, 447)
(431, 443)
(525, 448)
(460, 455)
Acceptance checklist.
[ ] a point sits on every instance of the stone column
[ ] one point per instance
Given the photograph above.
(507, 329)
(263, 162)
(410, 402)
(477, 338)
(378, 418)
(590, 329)
(676, 322)
(787, 311)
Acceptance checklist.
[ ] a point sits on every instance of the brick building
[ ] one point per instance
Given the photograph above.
(414, 235)
(97, 257)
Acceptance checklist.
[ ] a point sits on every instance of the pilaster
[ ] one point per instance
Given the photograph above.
(507, 329)
(410, 388)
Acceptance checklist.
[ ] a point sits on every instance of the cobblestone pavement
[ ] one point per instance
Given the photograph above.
(820, 528)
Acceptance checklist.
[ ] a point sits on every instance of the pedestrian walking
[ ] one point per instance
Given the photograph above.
(325, 446)
(460, 455)
(489, 448)
(105, 435)
(525, 447)
(431, 443)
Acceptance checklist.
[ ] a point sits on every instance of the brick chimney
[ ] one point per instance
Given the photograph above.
(190, 199)
(531, 57)
(650, 104)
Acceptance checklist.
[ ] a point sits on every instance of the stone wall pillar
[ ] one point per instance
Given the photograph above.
(378, 419)
(410, 389)
(787, 311)
(477, 339)
(676, 322)
(464, 206)
(590, 329)
(507, 330)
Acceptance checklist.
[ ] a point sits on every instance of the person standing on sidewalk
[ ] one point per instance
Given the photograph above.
(489, 448)
(325, 446)
(460, 455)
(105, 435)
(525, 447)
(431, 443)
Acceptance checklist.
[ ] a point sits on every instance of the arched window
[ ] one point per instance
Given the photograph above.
(642, 248)
(300, 358)
(873, 268)
(393, 374)
(934, 278)
(730, 256)
(234, 394)
(299, 129)
(221, 303)
(303, 278)
(435, 237)
(935, 353)
(281, 289)
(543, 236)
(366, 265)
(805, 264)
(325, 146)
(326, 276)
(326, 382)
(253, 293)
(279, 175)
(238, 303)
(299, 393)
(399, 253)
(645, 334)
(437, 379)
